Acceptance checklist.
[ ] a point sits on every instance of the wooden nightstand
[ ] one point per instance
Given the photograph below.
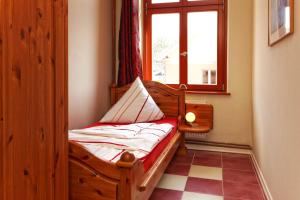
(204, 119)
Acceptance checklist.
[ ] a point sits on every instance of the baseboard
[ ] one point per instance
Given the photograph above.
(219, 144)
(218, 148)
(261, 178)
(240, 151)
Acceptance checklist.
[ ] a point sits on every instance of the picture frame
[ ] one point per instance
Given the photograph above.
(281, 20)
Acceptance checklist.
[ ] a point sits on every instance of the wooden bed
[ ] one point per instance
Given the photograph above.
(91, 178)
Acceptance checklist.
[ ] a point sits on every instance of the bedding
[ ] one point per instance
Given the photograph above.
(136, 105)
(109, 141)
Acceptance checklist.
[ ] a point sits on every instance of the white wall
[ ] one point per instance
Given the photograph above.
(233, 114)
(276, 97)
(90, 60)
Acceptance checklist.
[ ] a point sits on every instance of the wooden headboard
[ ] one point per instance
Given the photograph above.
(171, 101)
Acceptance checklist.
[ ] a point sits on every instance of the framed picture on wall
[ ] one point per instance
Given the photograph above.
(281, 20)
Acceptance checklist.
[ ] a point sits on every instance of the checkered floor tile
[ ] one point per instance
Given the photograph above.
(203, 175)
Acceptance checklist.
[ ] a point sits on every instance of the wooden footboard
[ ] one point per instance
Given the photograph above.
(88, 184)
(94, 179)
(90, 177)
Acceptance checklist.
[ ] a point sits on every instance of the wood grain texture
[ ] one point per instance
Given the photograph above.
(60, 34)
(186, 128)
(171, 101)
(128, 173)
(33, 100)
(1, 100)
(204, 114)
(76, 152)
(97, 187)
(204, 119)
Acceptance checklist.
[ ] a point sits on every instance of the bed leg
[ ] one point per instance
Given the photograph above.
(130, 169)
(182, 150)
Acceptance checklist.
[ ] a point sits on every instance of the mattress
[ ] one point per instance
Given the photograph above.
(149, 160)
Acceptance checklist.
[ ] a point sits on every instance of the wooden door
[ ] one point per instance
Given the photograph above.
(33, 101)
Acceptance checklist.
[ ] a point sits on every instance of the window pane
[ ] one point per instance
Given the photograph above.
(202, 47)
(165, 48)
(164, 1)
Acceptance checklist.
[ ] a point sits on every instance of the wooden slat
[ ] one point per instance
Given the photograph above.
(1, 100)
(60, 56)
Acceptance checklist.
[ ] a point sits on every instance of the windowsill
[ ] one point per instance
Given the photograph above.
(210, 92)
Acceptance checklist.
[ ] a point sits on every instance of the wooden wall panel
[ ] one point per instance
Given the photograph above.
(61, 98)
(1, 101)
(33, 99)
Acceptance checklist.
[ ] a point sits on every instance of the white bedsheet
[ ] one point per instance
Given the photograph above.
(110, 141)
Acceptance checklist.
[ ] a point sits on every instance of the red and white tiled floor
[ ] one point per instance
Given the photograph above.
(204, 175)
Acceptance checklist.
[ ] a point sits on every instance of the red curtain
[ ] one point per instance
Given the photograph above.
(130, 65)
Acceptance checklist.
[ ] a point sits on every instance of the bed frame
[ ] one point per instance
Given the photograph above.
(91, 178)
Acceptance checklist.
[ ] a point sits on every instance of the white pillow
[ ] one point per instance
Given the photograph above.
(136, 105)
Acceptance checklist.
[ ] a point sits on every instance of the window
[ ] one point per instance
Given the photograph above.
(185, 43)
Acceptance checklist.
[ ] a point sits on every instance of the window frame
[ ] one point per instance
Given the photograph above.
(183, 7)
